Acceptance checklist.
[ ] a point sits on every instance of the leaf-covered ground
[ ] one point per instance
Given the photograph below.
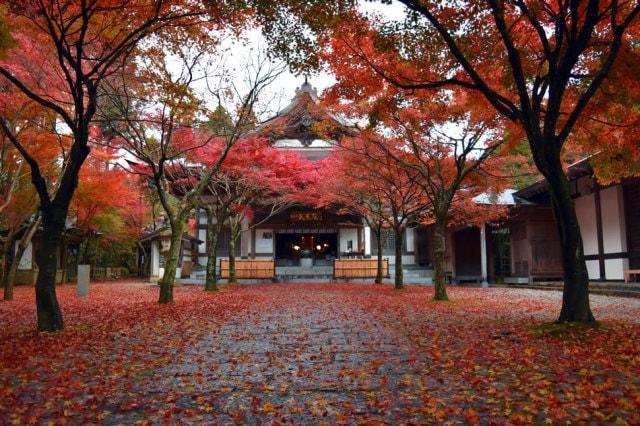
(312, 353)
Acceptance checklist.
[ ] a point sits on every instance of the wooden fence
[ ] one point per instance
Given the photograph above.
(249, 268)
(359, 268)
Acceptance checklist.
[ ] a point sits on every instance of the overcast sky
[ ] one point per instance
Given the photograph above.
(283, 89)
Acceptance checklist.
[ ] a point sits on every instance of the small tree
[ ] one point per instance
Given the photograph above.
(164, 135)
(344, 189)
(394, 201)
(253, 177)
(449, 145)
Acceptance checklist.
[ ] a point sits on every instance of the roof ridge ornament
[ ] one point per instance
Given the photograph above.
(306, 87)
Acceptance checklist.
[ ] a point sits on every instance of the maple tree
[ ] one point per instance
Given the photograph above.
(161, 128)
(20, 217)
(107, 203)
(538, 64)
(74, 45)
(20, 220)
(395, 201)
(346, 189)
(254, 178)
(450, 146)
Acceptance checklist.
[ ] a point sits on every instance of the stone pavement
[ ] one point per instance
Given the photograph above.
(319, 353)
(316, 356)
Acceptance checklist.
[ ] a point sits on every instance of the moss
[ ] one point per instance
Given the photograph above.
(566, 331)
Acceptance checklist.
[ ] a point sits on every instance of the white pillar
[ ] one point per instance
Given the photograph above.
(411, 241)
(155, 260)
(483, 255)
(367, 241)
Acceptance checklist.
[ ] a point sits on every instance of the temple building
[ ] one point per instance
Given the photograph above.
(302, 232)
(304, 242)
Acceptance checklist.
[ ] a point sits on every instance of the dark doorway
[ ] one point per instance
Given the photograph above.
(467, 252)
(290, 248)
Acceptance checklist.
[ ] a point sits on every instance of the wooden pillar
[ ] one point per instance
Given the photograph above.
(598, 207)
(253, 243)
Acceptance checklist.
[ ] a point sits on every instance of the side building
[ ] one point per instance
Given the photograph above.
(609, 218)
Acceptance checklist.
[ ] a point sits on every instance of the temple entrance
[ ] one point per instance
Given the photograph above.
(306, 248)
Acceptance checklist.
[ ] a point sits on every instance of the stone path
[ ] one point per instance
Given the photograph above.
(317, 356)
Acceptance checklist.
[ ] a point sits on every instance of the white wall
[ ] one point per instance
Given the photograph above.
(613, 226)
(346, 235)
(614, 268)
(614, 231)
(155, 259)
(202, 236)
(586, 212)
(367, 240)
(411, 240)
(593, 269)
(26, 261)
(264, 245)
(407, 259)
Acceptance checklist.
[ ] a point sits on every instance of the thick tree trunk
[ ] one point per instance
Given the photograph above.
(169, 278)
(5, 261)
(48, 309)
(380, 272)
(10, 278)
(399, 233)
(575, 295)
(213, 230)
(438, 240)
(232, 260)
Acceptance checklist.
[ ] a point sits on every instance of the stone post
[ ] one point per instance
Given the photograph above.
(84, 274)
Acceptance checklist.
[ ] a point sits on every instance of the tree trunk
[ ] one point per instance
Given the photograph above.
(5, 261)
(438, 240)
(48, 309)
(575, 295)
(169, 278)
(213, 230)
(399, 233)
(380, 272)
(10, 278)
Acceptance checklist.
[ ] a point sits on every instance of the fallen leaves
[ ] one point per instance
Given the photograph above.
(325, 353)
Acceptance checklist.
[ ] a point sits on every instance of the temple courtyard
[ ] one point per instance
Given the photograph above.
(318, 353)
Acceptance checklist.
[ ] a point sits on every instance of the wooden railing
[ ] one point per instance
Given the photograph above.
(249, 268)
(359, 268)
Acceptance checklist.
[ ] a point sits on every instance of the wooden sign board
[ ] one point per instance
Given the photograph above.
(306, 216)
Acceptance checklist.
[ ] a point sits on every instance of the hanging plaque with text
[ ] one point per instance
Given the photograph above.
(305, 216)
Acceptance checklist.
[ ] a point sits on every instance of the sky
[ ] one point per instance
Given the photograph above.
(282, 90)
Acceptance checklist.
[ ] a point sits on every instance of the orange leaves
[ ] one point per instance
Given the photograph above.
(318, 353)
